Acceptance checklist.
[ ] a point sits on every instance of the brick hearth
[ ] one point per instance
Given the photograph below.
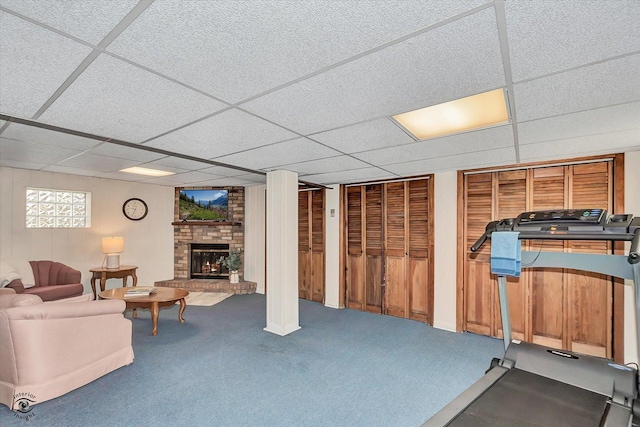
(210, 285)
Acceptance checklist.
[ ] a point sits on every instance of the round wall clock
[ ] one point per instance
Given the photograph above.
(135, 209)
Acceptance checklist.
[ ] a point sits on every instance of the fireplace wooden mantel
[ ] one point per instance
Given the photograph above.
(207, 223)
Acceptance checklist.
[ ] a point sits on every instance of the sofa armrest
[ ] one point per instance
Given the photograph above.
(66, 311)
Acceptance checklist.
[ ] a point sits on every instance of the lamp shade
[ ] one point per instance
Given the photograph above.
(112, 245)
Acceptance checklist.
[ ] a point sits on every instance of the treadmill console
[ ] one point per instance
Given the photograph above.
(571, 224)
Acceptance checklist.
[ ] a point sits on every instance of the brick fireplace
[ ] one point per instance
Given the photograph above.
(229, 233)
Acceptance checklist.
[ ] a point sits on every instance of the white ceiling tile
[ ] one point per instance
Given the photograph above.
(30, 152)
(19, 164)
(493, 157)
(591, 122)
(332, 164)
(26, 133)
(608, 83)
(196, 176)
(72, 17)
(227, 182)
(97, 163)
(364, 136)
(294, 151)
(124, 152)
(614, 142)
(177, 163)
(222, 171)
(352, 176)
(225, 133)
(72, 170)
(469, 142)
(34, 62)
(123, 176)
(394, 80)
(549, 35)
(125, 102)
(235, 49)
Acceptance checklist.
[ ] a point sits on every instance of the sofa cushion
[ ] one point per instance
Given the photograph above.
(52, 293)
(21, 300)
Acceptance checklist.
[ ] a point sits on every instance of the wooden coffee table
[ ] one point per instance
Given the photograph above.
(162, 297)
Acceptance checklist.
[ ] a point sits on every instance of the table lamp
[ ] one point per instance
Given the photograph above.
(112, 246)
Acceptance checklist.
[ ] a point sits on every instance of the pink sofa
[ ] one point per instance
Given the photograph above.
(53, 281)
(48, 349)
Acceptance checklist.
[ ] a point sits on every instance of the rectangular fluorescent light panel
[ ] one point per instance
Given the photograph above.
(146, 171)
(460, 115)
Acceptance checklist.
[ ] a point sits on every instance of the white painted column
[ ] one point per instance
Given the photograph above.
(282, 252)
(332, 247)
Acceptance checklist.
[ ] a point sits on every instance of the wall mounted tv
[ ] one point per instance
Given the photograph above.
(204, 205)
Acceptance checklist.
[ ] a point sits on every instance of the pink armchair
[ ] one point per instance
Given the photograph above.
(53, 281)
(49, 349)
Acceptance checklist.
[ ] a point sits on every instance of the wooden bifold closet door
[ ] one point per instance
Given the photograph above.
(311, 283)
(388, 248)
(561, 308)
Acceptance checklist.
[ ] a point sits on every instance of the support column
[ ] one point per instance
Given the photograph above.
(282, 252)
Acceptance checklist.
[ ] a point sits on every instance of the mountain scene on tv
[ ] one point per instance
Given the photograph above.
(204, 205)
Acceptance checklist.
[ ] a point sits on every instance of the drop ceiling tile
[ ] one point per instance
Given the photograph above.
(72, 170)
(124, 152)
(125, 102)
(19, 164)
(30, 152)
(255, 178)
(608, 83)
(364, 136)
(468, 142)
(394, 80)
(332, 164)
(34, 62)
(72, 17)
(294, 151)
(123, 176)
(177, 163)
(225, 133)
(97, 163)
(353, 176)
(549, 36)
(20, 132)
(196, 176)
(613, 142)
(226, 182)
(493, 157)
(236, 49)
(222, 171)
(591, 122)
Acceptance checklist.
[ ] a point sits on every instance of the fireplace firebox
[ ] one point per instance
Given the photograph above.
(205, 260)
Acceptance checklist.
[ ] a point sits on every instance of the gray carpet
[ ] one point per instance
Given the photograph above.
(343, 368)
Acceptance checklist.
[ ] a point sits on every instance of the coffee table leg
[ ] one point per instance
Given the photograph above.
(183, 305)
(154, 318)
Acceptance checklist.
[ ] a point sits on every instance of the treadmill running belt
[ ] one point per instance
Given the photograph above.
(521, 398)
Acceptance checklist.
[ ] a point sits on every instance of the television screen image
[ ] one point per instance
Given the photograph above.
(204, 205)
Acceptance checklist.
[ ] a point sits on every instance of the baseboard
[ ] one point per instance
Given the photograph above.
(451, 327)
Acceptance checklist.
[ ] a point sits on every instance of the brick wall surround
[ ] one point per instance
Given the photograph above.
(230, 232)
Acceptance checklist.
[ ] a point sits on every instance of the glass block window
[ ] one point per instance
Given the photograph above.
(58, 208)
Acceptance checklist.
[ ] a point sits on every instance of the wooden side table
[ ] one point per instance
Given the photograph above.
(121, 272)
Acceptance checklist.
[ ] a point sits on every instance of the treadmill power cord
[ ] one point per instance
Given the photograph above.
(536, 258)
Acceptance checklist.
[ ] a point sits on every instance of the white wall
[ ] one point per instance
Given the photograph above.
(254, 235)
(632, 206)
(148, 243)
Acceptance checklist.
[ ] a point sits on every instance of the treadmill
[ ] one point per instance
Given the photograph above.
(533, 385)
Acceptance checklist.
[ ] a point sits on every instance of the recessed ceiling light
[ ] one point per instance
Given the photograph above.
(460, 115)
(146, 171)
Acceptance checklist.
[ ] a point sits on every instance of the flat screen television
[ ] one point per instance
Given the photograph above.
(204, 205)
